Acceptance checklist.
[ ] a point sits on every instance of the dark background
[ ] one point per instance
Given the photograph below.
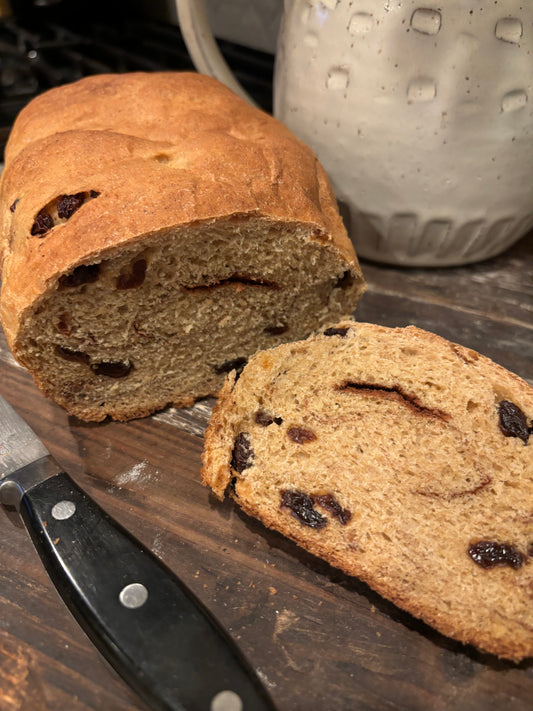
(45, 43)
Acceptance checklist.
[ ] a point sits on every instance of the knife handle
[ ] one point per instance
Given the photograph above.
(147, 623)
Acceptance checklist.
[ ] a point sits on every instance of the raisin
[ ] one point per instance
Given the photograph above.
(63, 325)
(42, 224)
(112, 369)
(13, 206)
(345, 281)
(84, 274)
(229, 365)
(301, 435)
(276, 330)
(93, 194)
(134, 278)
(72, 355)
(242, 456)
(489, 554)
(336, 332)
(330, 503)
(68, 204)
(513, 421)
(301, 506)
(265, 419)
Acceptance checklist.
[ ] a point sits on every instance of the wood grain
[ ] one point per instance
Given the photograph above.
(318, 639)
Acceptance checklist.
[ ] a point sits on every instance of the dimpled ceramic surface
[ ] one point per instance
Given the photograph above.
(421, 112)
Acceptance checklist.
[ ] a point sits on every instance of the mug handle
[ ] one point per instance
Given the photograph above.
(203, 49)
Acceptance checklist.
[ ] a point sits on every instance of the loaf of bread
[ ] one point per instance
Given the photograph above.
(156, 230)
(398, 457)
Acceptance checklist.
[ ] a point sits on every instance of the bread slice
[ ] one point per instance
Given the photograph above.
(155, 231)
(398, 457)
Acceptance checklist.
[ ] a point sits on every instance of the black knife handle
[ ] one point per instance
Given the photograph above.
(148, 625)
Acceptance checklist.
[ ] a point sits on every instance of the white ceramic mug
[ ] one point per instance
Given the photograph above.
(420, 111)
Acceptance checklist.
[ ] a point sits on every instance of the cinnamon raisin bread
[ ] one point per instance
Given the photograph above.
(400, 458)
(155, 230)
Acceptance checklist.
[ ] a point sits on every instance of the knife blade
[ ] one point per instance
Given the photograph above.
(151, 628)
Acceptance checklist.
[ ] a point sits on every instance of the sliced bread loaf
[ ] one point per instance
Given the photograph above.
(155, 230)
(400, 458)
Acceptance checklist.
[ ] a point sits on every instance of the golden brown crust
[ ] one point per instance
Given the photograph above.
(218, 441)
(166, 156)
(420, 489)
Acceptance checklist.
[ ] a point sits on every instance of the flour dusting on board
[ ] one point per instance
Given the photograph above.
(140, 473)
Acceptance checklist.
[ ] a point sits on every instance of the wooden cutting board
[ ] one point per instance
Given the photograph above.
(318, 639)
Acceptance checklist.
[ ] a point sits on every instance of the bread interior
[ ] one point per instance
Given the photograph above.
(152, 324)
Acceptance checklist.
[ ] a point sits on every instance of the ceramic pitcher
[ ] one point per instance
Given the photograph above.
(420, 111)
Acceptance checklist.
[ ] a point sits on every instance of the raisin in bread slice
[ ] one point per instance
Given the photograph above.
(398, 457)
(155, 230)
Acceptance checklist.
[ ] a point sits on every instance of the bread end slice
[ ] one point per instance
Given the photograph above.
(398, 457)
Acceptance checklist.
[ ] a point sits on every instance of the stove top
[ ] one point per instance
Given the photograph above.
(36, 55)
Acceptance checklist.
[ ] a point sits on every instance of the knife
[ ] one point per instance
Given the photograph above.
(146, 622)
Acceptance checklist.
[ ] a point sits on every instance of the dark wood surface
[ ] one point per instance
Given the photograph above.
(319, 639)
